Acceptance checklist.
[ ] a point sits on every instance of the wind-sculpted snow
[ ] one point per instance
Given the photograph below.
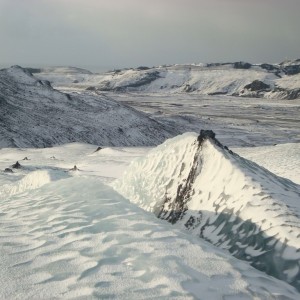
(33, 114)
(78, 239)
(31, 181)
(231, 202)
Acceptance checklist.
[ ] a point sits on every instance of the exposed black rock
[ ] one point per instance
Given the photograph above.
(98, 149)
(205, 134)
(217, 93)
(17, 165)
(291, 70)
(257, 85)
(177, 208)
(209, 65)
(74, 168)
(91, 88)
(242, 65)
(269, 67)
(142, 68)
(188, 88)
(8, 170)
(209, 134)
(292, 94)
(25, 158)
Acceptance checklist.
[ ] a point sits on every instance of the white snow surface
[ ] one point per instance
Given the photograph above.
(207, 79)
(217, 195)
(68, 235)
(36, 115)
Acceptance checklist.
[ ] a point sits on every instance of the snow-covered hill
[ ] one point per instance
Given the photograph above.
(279, 81)
(67, 235)
(33, 114)
(195, 182)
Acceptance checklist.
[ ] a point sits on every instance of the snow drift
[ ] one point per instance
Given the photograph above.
(33, 180)
(77, 238)
(195, 182)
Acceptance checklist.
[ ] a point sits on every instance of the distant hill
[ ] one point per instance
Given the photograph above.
(242, 79)
(34, 114)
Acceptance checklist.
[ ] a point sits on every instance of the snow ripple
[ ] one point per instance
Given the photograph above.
(77, 238)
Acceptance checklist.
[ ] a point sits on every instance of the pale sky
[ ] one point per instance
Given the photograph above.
(106, 34)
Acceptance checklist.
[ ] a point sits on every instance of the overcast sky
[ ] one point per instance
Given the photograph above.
(104, 34)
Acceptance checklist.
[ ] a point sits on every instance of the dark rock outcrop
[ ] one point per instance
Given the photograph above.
(74, 168)
(242, 65)
(269, 67)
(256, 86)
(205, 134)
(17, 165)
(98, 149)
(291, 70)
(142, 68)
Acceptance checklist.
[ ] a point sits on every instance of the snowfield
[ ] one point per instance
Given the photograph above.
(67, 234)
(271, 81)
(107, 192)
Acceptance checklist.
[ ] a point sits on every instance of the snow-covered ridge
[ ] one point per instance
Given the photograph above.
(78, 238)
(33, 114)
(200, 185)
(280, 81)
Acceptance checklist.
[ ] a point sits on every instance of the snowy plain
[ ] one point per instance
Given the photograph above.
(69, 235)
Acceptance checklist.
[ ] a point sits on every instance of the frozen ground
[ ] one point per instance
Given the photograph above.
(67, 234)
(237, 122)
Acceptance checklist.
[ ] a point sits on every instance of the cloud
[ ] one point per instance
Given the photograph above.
(119, 33)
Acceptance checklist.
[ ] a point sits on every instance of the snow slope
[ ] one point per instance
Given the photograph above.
(278, 81)
(231, 202)
(33, 114)
(282, 159)
(66, 235)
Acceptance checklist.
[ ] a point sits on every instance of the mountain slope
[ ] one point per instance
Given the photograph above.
(279, 81)
(33, 114)
(233, 203)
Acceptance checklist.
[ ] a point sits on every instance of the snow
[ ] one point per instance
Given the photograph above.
(36, 115)
(205, 79)
(217, 195)
(238, 122)
(281, 159)
(72, 236)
